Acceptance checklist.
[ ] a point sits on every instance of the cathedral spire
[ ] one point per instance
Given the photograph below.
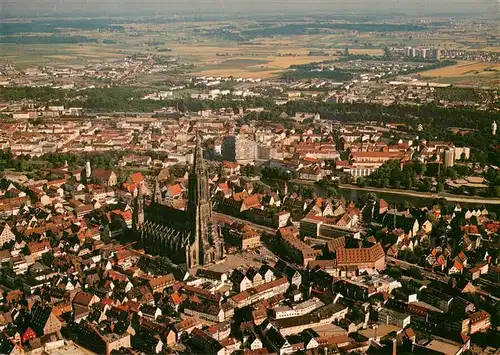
(138, 216)
(157, 193)
(198, 164)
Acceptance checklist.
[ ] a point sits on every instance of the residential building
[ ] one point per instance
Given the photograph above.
(363, 258)
(6, 234)
(387, 316)
(479, 322)
(240, 149)
(104, 177)
(324, 315)
(297, 310)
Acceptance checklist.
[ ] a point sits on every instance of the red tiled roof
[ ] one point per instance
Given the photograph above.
(394, 155)
(129, 187)
(252, 201)
(163, 281)
(136, 178)
(479, 316)
(126, 215)
(114, 275)
(230, 165)
(82, 298)
(223, 186)
(175, 189)
(102, 174)
(410, 333)
(472, 229)
(458, 265)
(177, 298)
(359, 255)
(37, 247)
(240, 196)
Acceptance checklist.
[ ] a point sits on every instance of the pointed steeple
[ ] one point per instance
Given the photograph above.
(199, 207)
(198, 164)
(138, 216)
(157, 193)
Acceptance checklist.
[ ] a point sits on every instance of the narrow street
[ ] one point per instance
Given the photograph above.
(258, 227)
(428, 274)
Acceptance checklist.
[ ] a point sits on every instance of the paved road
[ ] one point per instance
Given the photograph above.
(251, 224)
(428, 274)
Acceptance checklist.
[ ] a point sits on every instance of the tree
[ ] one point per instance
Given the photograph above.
(394, 272)
(426, 185)
(451, 173)
(250, 170)
(48, 258)
(424, 243)
(369, 197)
(177, 170)
(415, 273)
(331, 192)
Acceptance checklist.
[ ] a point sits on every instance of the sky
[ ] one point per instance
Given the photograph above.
(10, 8)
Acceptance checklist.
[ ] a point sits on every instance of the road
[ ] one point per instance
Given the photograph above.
(428, 274)
(257, 227)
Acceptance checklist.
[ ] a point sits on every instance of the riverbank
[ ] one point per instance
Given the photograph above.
(416, 198)
(425, 195)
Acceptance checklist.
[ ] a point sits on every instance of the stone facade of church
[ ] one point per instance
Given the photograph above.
(189, 237)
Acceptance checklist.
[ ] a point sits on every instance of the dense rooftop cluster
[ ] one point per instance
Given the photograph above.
(301, 273)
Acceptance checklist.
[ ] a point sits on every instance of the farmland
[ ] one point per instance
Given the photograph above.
(244, 47)
(467, 73)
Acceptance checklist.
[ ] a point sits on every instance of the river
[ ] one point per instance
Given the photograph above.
(417, 199)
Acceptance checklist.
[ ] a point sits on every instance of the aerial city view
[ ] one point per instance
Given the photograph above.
(249, 177)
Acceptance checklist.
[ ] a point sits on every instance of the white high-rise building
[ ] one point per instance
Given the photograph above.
(494, 128)
(239, 148)
(449, 157)
(88, 171)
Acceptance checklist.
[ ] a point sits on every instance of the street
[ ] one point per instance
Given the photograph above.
(428, 274)
(257, 227)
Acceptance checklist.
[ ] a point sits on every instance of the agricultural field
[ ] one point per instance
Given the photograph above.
(24, 56)
(467, 74)
(243, 48)
(265, 67)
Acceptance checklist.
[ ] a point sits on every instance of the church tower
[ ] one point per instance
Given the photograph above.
(157, 192)
(199, 210)
(138, 216)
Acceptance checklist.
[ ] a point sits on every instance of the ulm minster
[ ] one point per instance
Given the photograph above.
(187, 237)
